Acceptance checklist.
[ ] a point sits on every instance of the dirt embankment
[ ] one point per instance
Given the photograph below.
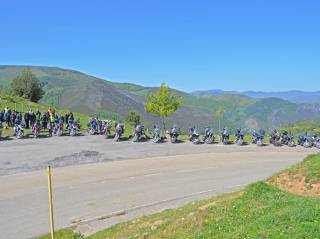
(302, 179)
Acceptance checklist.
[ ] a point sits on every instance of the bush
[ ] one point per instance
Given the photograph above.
(133, 118)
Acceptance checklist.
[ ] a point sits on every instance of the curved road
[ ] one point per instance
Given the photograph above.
(98, 183)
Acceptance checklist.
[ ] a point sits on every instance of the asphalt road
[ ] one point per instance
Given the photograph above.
(106, 182)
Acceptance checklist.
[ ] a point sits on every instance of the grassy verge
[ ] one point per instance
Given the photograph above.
(262, 210)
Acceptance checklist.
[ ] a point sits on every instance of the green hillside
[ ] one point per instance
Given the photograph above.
(310, 126)
(90, 95)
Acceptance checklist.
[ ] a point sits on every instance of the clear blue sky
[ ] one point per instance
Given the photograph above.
(232, 45)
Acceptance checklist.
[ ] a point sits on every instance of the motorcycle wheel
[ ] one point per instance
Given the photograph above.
(19, 135)
(260, 143)
(135, 138)
(107, 134)
(240, 142)
(59, 132)
(196, 141)
(291, 144)
(156, 139)
(173, 139)
(307, 145)
(209, 141)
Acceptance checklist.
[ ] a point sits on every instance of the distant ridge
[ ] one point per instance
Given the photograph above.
(294, 96)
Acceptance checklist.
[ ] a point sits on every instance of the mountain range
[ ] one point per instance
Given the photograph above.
(91, 95)
(294, 96)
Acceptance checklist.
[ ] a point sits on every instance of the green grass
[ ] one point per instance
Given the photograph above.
(62, 234)
(261, 210)
(310, 168)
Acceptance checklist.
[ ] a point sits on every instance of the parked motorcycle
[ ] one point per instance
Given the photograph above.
(239, 135)
(275, 138)
(156, 134)
(73, 128)
(225, 136)
(305, 141)
(19, 130)
(258, 137)
(208, 136)
(138, 133)
(119, 132)
(174, 133)
(93, 127)
(50, 127)
(106, 128)
(36, 129)
(291, 142)
(58, 130)
(194, 135)
(284, 138)
(316, 141)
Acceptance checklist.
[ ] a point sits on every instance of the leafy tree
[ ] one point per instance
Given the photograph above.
(162, 103)
(26, 85)
(133, 118)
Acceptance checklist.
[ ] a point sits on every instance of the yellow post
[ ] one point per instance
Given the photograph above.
(50, 202)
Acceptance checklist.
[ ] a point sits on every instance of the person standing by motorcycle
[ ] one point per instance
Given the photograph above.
(66, 117)
(38, 116)
(51, 123)
(32, 117)
(27, 120)
(51, 111)
(44, 120)
(99, 124)
(70, 122)
(13, 117)
(7, 116)
(1, 116)
(69, 117)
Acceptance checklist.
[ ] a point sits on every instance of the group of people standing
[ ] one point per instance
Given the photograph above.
(12, 117)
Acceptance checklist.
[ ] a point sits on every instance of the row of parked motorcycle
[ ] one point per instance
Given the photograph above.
(96, 126)
(276, 138)
(258, 137)
(56, 128)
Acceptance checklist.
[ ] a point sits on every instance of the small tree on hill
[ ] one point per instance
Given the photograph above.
(26, 85)
(163, 103)
(133, 118)
(219, 113)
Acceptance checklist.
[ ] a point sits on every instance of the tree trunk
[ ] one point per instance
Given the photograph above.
(164, 126)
